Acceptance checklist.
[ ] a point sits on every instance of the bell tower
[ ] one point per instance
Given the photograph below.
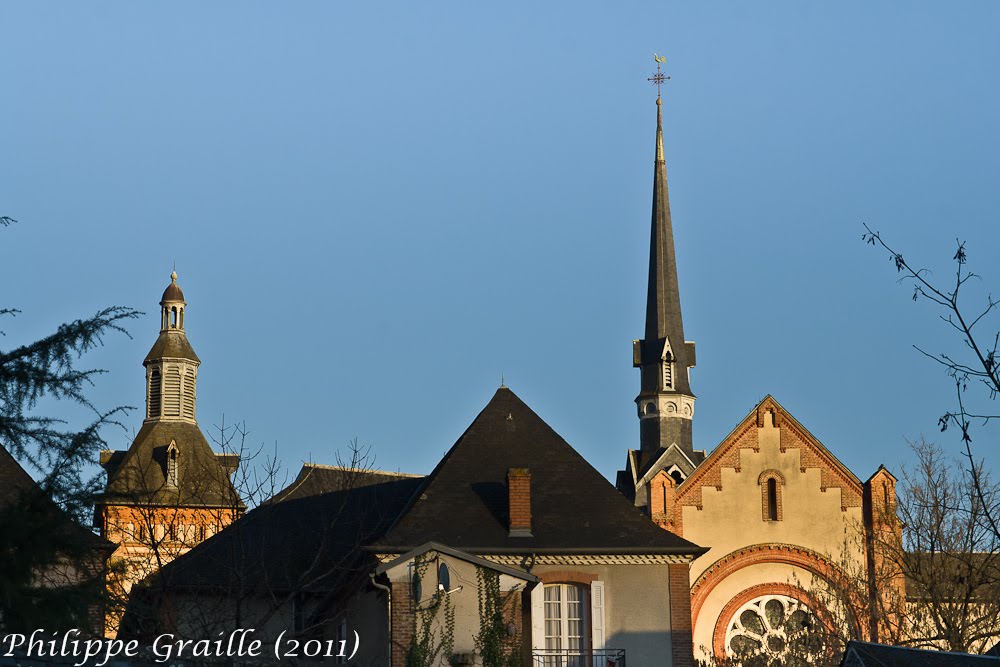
(169, 491)
(171, 365)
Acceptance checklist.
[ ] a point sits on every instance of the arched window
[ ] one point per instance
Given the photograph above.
(172, 465)
(444, 578)
(771, 482)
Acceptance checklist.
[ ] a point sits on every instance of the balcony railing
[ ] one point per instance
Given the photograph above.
(609, 657)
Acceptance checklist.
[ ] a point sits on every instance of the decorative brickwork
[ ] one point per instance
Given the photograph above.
(681, 642)
(787, 554)
(401, 623)
(812, 454)
(831, 472)
(567, 577)
(709, 473)
(662, 504)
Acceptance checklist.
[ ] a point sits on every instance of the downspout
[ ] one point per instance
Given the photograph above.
(388, 597)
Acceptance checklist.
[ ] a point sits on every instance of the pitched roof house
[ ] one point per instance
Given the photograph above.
(512, 511)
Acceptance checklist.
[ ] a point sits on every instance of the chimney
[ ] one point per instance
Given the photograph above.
(519, 501)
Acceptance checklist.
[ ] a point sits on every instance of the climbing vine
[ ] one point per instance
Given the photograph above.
(498, 646)
(433, 623)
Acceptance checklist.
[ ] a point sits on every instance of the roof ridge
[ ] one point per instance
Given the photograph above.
(369, 471)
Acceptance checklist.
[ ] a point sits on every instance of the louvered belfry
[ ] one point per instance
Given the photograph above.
(172, 365)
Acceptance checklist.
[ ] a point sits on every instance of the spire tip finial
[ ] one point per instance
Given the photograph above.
(659, 78)
(173, 276)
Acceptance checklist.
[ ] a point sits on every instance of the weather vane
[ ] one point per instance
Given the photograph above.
(659, 78)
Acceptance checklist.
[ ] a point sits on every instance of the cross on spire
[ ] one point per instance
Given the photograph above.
(659, 78)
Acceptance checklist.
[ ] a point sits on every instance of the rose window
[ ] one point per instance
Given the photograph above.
(774, 630)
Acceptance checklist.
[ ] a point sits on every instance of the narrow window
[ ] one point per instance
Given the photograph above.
(155, 394)
(668, 375)
(772, 499)
(444, 578)
(188, 399)
(172, 393)
(172, 466)
(173, 318)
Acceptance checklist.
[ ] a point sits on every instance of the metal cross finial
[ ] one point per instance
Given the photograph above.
(659, 78)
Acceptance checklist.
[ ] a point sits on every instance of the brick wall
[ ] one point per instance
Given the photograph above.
(519, 499)
(681, 643)
(402, 622)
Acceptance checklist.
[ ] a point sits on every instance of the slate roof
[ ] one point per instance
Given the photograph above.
(307, 543)
(171, 344)
(203, 476)
(663, 299)
(315, 479)
(863, 654)
(18, 488)
(463, 502)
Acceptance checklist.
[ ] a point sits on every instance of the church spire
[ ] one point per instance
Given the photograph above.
(665, 402)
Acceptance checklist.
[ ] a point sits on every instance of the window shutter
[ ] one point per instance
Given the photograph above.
(155, 394)
(172, 393)
(189, 394)
(597, 617)
(538, 617)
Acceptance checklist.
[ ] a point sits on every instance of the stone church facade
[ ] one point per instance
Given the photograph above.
(786, 522)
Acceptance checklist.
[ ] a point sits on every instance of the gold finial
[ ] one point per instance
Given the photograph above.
(659, 78)
(173, 276)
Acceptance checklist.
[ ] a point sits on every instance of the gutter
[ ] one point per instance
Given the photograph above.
(388, 597)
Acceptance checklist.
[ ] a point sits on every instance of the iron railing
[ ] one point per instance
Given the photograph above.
(608, 657)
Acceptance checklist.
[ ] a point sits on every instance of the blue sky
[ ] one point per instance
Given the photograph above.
(375, 209)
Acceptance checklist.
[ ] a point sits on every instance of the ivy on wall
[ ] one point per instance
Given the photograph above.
(433, 623)
(498, 644)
